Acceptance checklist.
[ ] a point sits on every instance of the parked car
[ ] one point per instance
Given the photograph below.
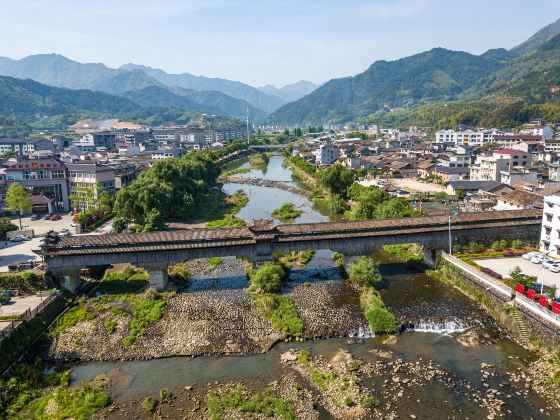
(63, 232)
(20, 238)
(537, 259)
(46, 217)
(55, 217)
(34, 217)
(73, 224)
(555, 268)
(548, 262)
(529, 255)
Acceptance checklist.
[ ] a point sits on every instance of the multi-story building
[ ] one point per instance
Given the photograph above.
(467, 137)
(516, 176)
(512, 139)
(326, 154)
(550, 231)
(92, 177)
(166, 153)
(45, 178)
(25, 146)
(165, 134)
(106, 139)
(489, 168)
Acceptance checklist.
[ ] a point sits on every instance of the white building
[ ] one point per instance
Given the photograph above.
(326, 154)
(550, 232)
(489, 168)
(467, 137)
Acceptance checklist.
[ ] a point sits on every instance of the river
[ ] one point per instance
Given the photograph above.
(434, 313)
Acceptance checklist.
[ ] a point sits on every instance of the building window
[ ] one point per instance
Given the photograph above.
(57, 174)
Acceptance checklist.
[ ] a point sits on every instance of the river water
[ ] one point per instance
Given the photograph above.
(433, 313)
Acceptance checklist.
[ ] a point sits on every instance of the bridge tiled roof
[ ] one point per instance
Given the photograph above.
(206, 238)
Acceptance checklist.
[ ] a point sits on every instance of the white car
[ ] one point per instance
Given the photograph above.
(19, 238)
(555, 268)
(63, 232)
(529, 255)
(537, 259)
(548, 262)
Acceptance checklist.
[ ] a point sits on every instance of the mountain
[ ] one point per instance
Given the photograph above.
(234, 89)
(291, 92)
(529, 76)
(538, 39)
(57, 70)
(211, 102)
(434, 75)
(27, 98)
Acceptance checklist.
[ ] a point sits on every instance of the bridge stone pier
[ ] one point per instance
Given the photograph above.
(261, 239)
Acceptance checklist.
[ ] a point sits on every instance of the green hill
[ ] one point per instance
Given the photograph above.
(434, 75)
(27, 98)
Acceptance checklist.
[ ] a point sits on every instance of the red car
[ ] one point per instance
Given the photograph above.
(55, 217)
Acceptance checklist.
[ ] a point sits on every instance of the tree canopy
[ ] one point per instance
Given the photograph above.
(18, 200)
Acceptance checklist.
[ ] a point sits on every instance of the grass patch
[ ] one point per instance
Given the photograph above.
(71, 318)
(214, 261)
(281, 312)
(131, 280)
(322, 379)
(295, 259)
(240, 400)
(237, 171)
(286, 212)
(144, 314)
(220, 210)
(110, 325)
(303, 357)
(405, 252)
(62, 403)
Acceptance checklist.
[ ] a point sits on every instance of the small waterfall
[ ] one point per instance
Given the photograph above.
(441, 327)
(361, 332)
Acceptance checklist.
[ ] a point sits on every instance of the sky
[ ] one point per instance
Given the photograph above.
(263, 41)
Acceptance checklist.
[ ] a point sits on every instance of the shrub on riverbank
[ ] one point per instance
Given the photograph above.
(365, 273)
(79, 403)
(241, 400)
(214, 261)
(264, 286)
(267, 278)
(27, 282)
(287, 212)
(222, 209)
(405, 252)
(259, 160)
(180, 274)
(295, 259)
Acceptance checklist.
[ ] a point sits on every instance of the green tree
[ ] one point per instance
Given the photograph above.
(337, 179)
(6, 225)
(395, 208)
(365, 271)
(268, 278)
(18, 199)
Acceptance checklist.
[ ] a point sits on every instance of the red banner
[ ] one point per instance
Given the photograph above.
(520, 288)
(556, 307)
(543, 301)
(531, 294)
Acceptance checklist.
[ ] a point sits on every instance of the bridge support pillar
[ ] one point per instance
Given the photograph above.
(69, 278)
(158, 275)
(430, 257)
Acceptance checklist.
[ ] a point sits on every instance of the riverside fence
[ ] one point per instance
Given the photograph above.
(503, 292)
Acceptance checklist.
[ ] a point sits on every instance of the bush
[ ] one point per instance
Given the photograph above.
(281, 312)
(348, 402)
(365, 272)
(71, 318)
(62, 403)
(516, 244)
(27, 282)
(110, 325)
(131, 280)
(268, 278)
(164, 394)
(149, 404)
(151, 294)
(180, 274)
